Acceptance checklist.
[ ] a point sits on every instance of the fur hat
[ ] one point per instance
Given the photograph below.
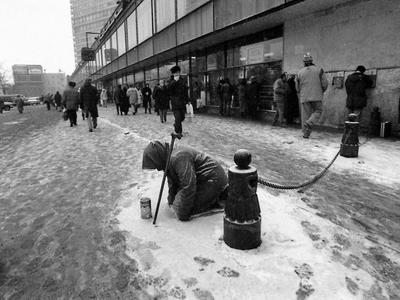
(175, 69)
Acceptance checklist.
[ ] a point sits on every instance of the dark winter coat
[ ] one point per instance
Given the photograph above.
(226, 91)
(124, 101)
(89, 98)
(356, 85)
(161, 97)
(195, 180)
(252, 93)
(57, 99)
(118, 95)
(71, 99)
(178, 92)
(146, 92)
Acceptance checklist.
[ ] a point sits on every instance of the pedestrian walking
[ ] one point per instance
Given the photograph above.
(227, 91)
(311, 85)
(253, 97)
(57, 100)
(20, 104)
(162, 100)
(124, 104)
(156, 104)
(70, 101)
(89, 99)
(146, 92)
(280, 92)
(103, 98)
(133, 95)
(197, 182)
(292, 108)
(117, 98)
(47, 100)
(178, 93)
(356, 86)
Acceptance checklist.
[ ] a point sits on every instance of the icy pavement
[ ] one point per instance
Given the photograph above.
(71, 228)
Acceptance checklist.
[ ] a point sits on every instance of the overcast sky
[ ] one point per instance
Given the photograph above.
(36, 32)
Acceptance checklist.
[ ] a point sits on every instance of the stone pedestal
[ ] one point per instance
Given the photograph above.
(350, 143)
(242, 220)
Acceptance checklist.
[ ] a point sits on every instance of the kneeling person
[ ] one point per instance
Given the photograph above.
(196, 182)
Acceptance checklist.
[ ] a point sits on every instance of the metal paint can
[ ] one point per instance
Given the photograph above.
(145, 208)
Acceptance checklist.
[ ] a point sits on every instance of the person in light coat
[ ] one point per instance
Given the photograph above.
(103, 98)
(311, 85)
(133, 95)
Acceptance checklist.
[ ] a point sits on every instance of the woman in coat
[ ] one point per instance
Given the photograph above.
(103, 98)
(197, 182)
(124, 104)
(162, 99)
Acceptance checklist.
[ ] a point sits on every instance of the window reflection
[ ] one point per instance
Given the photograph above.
(121, 39)
(165, 13)
(131, 26)
(145, 29)
(186, 6)
(114, 46)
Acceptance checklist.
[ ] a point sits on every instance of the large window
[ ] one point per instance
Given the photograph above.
(186, 6)
(107, 52)
(165, 11)
(145, 23)
(131, 27)
(121, 39)
(271, 50)
(114, 46)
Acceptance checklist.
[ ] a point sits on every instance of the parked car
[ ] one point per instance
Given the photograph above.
(5, 105)
(11, 98)
(32, 101)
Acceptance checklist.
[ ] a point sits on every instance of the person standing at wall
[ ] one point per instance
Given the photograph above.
(356, 85)
(311, 85)
(292, 108)
(178, 92)
(70, 101)
(280, 93)
(162, 99)
(133, 96)
(241, 90)
(89, 98)
(227, 91)
(253, 97)
(146, 92)
(117, 98)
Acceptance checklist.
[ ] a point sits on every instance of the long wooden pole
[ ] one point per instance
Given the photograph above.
(164, 177)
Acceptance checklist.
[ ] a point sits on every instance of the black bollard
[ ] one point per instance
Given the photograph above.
(242, 220)
(350, 143)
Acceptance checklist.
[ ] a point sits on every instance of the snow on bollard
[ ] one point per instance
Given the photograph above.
(350, 143)
(242, 220)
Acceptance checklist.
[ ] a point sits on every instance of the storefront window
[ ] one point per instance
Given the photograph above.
(130, 79)
(139, 78)
(186, 6)
(107, 51)
(114, 46)
(199, 64)
(145, 29)
(131, 25)
(216, 60)
(165, 11)
(121, 39)
(266, 51)
(164, 70)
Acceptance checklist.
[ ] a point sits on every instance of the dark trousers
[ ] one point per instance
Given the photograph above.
(72, 116)
(134, 108)
(147, 104)
(48, 105)
(252, 108)
(163, 115)
(118, 107)
(179, 115)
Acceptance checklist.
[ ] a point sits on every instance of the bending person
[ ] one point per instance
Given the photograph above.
(197, 182)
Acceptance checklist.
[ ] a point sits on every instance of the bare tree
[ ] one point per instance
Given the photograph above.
(3, 79)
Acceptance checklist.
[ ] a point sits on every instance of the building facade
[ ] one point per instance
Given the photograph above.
(28, 80)
(53, 82)
(88, 16)
(241, 38)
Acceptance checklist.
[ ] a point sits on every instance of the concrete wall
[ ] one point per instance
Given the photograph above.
(358, 32)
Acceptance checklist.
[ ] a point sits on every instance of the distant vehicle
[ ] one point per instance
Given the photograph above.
(32, 101)
(12, 98)
(5, 105)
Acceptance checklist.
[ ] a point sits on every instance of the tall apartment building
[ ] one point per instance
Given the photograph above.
(88, 16)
